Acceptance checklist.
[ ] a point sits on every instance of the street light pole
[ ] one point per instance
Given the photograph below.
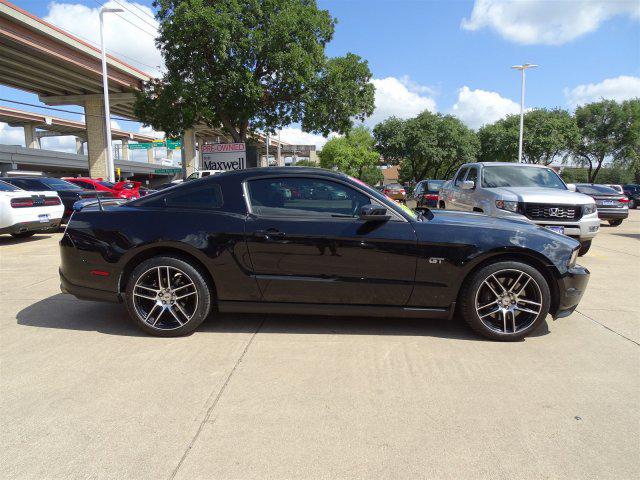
(105, 89)
(522, 68)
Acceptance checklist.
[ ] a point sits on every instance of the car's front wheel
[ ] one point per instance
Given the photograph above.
(168, 296)
(615, 223)
(505, 301)
(584, 247)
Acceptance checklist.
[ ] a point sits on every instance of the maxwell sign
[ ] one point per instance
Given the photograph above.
(224, 156)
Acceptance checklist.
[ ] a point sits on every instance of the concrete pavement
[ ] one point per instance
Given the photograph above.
(84, 394)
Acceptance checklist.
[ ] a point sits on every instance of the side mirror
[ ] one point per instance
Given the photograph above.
(374, 213)
(571, 186)
(468, 185)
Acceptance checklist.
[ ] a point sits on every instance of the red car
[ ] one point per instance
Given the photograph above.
(127, 189)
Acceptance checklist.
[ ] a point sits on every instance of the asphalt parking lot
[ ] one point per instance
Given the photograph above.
(84, 394)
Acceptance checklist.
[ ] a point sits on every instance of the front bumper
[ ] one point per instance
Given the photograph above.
(584, 229)
(571, 288)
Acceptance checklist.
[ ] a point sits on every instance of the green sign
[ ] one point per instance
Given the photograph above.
(170, 144)
(167, 171)
(140, 146)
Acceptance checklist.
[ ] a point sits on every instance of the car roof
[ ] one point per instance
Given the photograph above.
(285, 171)
(491, 164)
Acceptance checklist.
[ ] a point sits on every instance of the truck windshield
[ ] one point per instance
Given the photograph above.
(520, 176)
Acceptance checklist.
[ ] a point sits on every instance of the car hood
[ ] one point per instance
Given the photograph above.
(541, 195)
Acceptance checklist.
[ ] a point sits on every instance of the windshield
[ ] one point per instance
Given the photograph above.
(57, 184)
(520, 176)
(5, 187)
(107, 184)
(376, 194)
(596, 189)
(434, 185)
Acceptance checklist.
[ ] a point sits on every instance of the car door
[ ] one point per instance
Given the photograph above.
(467, 198)
(307, 244)
(455, 201)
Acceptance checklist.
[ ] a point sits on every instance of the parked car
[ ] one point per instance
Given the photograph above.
(613, 207)
(127, 189)
(146, 191)
(198, 174)
(396, 192)
(617, 188)
(23, 214)
(68, 192)
(632, 191)
(533, 192)
(426, 193)
(234, 241)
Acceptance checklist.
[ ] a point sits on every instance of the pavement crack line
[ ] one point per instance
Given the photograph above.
(209, 411)
(608, 328)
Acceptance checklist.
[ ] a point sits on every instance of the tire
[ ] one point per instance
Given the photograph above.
(615, 223)
(487, 311)
(441, 206)
(23, 234)
(168, 312)
(632, 204)
(584, 248)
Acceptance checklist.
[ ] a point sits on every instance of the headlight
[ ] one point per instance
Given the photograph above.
(507, 205)
(574, 257)
(589, 209)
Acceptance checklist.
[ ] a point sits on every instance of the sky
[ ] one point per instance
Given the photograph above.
(444, 56)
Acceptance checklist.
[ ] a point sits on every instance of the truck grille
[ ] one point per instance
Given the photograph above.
(542, 211)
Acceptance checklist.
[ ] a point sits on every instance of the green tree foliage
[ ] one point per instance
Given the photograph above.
(628, 155)
(608, 174)
(354, 155)
(252, 65)
(306, 163)
(604, 131)
(548, 135)
(431, 145)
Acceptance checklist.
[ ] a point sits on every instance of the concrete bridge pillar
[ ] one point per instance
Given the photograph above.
(96, 137)
(125, 149)
(79, 146)
(31, 139)
(189, 146)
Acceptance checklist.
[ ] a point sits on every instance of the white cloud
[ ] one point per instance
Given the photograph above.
(148, 130)
(11, 135)
(478, 107)
(296, 136)
(401, 97)
(131, 44)
(532, 22)
(59, 144)
(618, 88)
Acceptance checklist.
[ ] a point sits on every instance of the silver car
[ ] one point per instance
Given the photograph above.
(533, 192)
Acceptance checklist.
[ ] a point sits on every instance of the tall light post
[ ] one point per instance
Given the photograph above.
(105, 88)
(522, 68)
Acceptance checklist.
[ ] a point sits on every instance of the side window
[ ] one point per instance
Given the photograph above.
(473, 175)
(82, 184)
(193, 176)
(206, 197)
(304, 197)
(418, 190)
(206, 174)
(460, 177)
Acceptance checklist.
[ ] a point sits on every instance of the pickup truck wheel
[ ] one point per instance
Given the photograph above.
(505, 301)
(584, 247)
(441, 206)
(167, 296)
(615, 223)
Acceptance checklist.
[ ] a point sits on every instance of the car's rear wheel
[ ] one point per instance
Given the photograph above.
(615, 223)
(168, 296)
(505, 301)
(23, 234)
(632, 204)
(441, 205)
(584, 247)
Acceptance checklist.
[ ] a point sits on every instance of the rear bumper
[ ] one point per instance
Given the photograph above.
(84, 293)
(32, 227)
(613, 213)
(571, 289)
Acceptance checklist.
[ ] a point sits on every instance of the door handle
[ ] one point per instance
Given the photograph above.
(269, 234)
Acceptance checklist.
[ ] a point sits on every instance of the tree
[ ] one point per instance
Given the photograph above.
(428, 146)
(306, 163)
(251, 65)
(603, 128)
(628, 155)
(547, 135)
(354, 155)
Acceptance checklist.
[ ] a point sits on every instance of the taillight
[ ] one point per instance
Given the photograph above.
(21, 202)
(623, 200)
(52, 201)
(402, 191)
(430, 196)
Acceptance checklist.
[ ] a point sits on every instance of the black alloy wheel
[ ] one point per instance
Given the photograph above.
(505, 301)
(168, 296)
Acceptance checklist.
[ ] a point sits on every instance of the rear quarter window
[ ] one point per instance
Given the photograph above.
(205, 197)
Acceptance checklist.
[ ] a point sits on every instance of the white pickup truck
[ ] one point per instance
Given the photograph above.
(534, 192)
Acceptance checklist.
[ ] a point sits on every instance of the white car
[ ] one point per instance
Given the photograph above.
(23, 213)
(198, 174)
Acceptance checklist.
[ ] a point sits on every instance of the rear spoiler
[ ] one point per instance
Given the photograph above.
(120, 185)
(89, 202)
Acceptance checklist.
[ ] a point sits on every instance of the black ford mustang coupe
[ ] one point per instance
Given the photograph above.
(260, 240)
